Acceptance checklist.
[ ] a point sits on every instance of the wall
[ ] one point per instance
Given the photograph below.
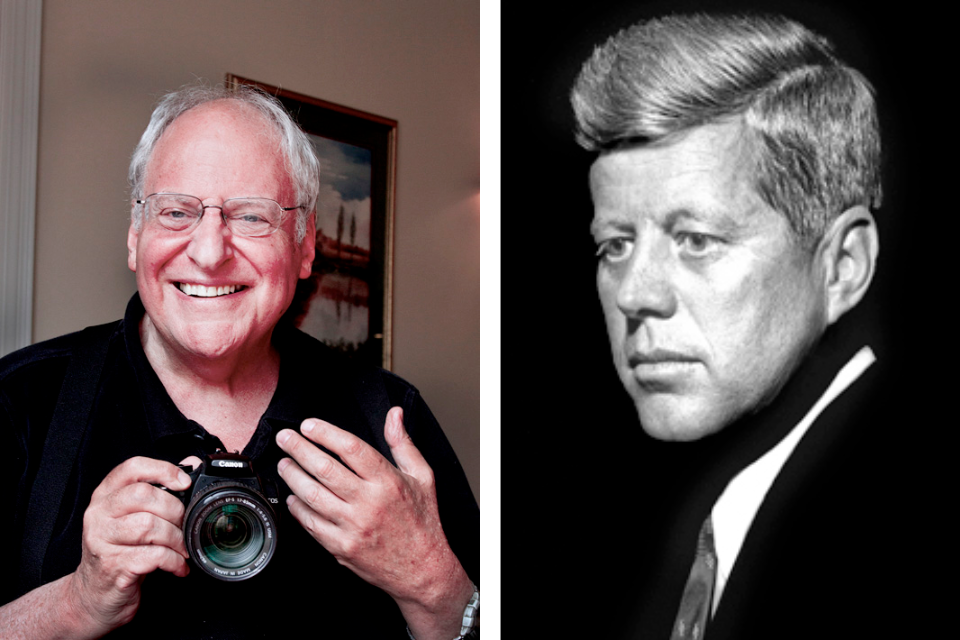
(105, 62)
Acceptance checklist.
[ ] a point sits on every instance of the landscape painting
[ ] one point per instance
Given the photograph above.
(338, 310)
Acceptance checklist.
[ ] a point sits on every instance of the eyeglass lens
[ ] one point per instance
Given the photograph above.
(243, 216)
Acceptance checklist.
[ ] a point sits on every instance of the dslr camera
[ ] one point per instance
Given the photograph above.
(230, 525)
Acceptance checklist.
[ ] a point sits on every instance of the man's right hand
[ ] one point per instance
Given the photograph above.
(130, 529)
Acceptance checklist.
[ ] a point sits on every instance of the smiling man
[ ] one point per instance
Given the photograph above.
(213, 285)
(376, 531)
(736, 176)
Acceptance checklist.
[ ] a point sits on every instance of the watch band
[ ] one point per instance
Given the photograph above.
(471, 617)
(470, 625)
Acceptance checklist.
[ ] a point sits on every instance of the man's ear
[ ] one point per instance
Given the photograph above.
(132, 237)
(308, 248)
(849, 253)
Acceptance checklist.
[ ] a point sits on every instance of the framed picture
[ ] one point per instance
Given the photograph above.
(347, 301)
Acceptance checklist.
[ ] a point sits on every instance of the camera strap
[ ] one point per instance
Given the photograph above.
(69, 423)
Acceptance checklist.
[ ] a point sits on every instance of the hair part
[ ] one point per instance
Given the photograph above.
(298, 151)
(813, 119)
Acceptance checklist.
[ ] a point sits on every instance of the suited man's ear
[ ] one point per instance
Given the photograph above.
(848, 252)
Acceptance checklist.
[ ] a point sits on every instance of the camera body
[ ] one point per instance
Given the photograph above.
(230, 524)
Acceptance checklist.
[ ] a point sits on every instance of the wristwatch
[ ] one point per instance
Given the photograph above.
(470, 626)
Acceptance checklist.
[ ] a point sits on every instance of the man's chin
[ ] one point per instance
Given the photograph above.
(209, 340)
(676, 419)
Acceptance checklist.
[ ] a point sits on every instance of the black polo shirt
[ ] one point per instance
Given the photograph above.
(303, 588)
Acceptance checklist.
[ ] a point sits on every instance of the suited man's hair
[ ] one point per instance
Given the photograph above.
(812, 118)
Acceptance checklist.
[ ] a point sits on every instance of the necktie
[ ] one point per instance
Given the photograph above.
(697, 595)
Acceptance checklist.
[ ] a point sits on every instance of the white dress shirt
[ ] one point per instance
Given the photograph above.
(735, 509)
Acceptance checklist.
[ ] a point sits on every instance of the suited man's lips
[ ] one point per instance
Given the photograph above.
(660, 356)
(661, 365)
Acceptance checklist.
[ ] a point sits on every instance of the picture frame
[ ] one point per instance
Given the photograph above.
(347, 303)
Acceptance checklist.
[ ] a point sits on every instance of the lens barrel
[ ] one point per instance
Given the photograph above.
(230, 531)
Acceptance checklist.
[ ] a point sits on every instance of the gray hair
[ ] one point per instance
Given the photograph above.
(302, 162)
(814, 119)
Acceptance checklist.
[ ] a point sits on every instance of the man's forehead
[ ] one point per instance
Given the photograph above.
(223, 132)
(229, 117)
(708, 172)
(724, 146)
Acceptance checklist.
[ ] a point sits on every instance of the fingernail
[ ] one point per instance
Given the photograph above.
(308, 426)
(283, 437)
(283, 464)
(183, 478)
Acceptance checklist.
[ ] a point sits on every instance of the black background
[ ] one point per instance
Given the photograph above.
(573, 454)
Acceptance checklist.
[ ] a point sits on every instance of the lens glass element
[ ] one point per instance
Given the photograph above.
(232, 536)
(230, 531)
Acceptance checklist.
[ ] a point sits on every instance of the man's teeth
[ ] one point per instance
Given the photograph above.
(201, 291)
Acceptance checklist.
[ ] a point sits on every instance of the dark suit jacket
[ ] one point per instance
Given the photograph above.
(843, 545)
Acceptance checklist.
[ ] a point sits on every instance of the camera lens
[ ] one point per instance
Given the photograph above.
(231, 532)
(232, 536)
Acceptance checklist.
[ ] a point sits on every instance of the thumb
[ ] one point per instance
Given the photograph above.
(191, 461)
(405, 453)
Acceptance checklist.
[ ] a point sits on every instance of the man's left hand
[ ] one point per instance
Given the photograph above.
(380, 521)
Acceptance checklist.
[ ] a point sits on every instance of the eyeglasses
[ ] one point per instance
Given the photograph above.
(251, 217)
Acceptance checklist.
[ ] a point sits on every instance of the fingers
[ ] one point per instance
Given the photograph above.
(128, 510)
(306, 486)
(379, 521)
(130, 488)
(353, 451)
(363, 459)
(146, 470)
(365, 462)
(323, 487)
(131, 528)
(319, 526)
(144, 528)
(136, 499)
(140, 545)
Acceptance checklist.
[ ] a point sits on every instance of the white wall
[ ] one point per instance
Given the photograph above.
(105, 62)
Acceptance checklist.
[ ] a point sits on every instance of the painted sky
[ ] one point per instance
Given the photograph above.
(344, 179)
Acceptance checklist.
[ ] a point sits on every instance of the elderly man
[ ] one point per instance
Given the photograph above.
(737, 170)
(224, 188)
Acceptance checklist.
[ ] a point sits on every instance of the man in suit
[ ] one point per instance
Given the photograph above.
(734, 189)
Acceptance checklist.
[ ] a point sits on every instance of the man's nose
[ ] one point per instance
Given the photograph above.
(646, 287)
(211, 240)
